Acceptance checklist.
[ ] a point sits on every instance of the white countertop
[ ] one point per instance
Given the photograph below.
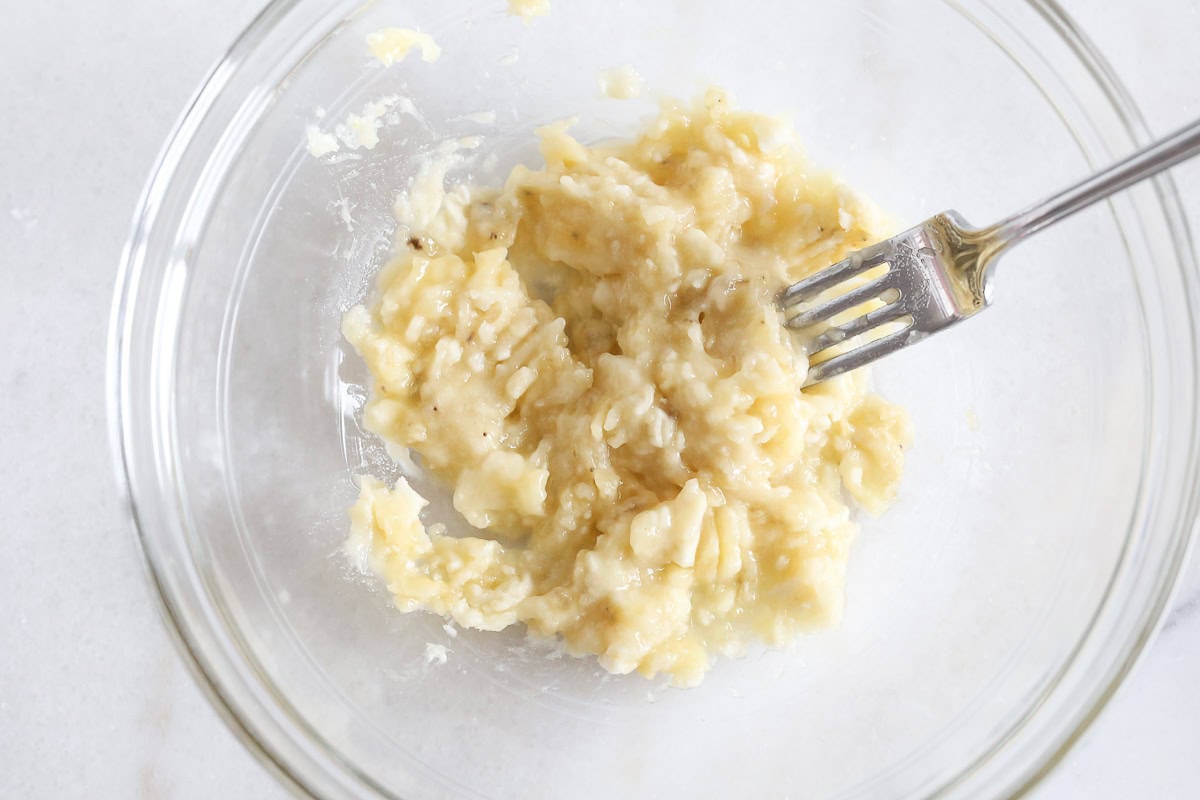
(94, 700)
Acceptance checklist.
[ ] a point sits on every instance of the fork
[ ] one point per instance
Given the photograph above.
(940, 272)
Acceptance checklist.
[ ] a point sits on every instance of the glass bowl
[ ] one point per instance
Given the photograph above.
(1048, 502)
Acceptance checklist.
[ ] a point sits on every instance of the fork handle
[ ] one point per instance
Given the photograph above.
(1150, 160)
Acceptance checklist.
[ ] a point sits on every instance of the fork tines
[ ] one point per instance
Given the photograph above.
(890, 319)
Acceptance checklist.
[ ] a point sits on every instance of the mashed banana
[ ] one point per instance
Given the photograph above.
(593, 359)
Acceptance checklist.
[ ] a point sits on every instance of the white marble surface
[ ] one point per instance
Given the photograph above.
(93, 699)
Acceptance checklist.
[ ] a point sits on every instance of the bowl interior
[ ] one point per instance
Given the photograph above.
(1033, 422)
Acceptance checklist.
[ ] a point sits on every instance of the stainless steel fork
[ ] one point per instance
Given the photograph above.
(940, 272)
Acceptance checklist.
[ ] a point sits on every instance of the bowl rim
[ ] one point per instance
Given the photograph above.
(290, 767)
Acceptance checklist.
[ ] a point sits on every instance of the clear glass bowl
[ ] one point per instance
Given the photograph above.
(1047, 506)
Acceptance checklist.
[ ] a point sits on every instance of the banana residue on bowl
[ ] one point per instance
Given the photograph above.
(620, 83)
(528, 9)
(592, 357)
(392, 45)
(361, 130)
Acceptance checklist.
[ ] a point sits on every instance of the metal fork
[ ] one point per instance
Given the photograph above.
(940, 272)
